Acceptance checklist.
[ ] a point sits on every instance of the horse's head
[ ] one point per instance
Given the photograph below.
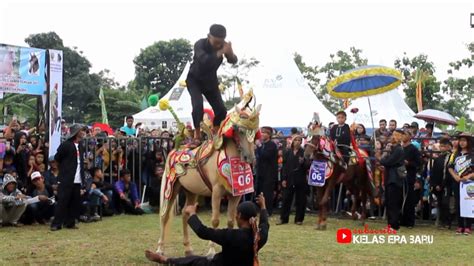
(320, 148)
(242, 127)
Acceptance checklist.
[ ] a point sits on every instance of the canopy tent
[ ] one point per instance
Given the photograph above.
(286, 98)
(179, 99)
(388, 106)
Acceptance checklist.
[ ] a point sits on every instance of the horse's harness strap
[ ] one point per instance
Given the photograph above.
(199, 163)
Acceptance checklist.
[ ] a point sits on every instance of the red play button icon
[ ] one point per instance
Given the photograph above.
(344, 236)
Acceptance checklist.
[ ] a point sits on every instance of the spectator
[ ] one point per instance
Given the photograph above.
(31, 167)
(414, 129)
(12, 129)
(64, 128)
(42, 210)
(51, 176)
(412, 163)
(391, 160)
(382, 130)
(99, 193)
(294, 182)
(267, 167)
(127, 193)
(360, 131)
(441, 183)
(39, 159)
(70, 157)
(154, 189)
(392, 126)
(129, 129)
(20, 160)
(461, 169)
(12, 204)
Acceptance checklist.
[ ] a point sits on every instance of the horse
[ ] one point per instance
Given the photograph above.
(322, 149)
(205, 170)
(354, 176)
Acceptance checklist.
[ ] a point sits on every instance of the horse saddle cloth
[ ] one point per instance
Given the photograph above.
(180, 160)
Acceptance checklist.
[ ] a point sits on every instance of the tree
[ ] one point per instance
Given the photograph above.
(318, 77)
(159, 65)
(431, 89)
(79, 86)
(235, 75)
(460, 90)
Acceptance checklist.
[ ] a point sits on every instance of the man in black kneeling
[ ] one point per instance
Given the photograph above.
(239, 246)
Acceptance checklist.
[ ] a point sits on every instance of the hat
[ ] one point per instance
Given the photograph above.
(7, 179)
(466, 135)
(414, 125)
(35, 175)
(74, 129)
(247, 210)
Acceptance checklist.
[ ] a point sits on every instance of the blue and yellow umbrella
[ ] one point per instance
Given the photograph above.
(364, 81)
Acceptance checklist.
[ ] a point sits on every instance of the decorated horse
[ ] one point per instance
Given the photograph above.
(333, 170)
(219, 167)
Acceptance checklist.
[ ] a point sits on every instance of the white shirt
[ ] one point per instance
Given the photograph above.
(77, 177)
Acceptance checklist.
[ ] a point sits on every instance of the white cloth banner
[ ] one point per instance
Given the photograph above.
(466, 194)
(55, 99)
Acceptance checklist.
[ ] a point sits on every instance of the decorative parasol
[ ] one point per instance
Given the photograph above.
(364, 81)
(436, 116)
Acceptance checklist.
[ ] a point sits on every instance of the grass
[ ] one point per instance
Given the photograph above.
(123, 239)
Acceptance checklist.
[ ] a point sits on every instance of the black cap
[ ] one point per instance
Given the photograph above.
(247, 210)
(429, 125)
(218, 31)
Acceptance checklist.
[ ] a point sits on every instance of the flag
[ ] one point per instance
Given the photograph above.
(105, 120)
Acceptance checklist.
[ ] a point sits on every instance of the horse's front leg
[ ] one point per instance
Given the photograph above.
(217, 192)
(190, 200)
(232, 211)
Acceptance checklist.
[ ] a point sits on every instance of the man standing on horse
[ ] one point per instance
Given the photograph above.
(202, 76)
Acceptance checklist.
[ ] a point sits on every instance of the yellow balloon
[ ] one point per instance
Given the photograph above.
(164, 104)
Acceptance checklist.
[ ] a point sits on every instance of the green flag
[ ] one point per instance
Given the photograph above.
(105, 120)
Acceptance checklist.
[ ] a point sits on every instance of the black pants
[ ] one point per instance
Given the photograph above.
(39, 212)
(190, 260)
(462, 221)
(393, 203)
(299, 193)
(126, 206)
(408, 217)
(211, 91)
(69, 205)
(267, 188)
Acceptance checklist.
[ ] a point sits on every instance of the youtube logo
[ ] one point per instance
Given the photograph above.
(344, 236)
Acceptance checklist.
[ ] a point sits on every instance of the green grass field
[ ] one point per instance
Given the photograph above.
(123, 239)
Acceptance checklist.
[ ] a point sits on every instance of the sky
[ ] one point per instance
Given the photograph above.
(111, 33)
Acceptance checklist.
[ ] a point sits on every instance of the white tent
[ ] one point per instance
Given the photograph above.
(388, 106)
(179, 99)
(286, 98)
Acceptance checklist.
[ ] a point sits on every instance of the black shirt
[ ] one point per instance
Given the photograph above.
(237, 244)
(205, 62)
(341, 134)
(413, 156)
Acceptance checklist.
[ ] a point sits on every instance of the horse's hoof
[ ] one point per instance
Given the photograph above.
(317, 227)
(323, 227)
(188, 253)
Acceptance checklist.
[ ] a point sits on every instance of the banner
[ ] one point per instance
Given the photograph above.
(466, 195)
(55, 99)
(22, 70)
(105, 120)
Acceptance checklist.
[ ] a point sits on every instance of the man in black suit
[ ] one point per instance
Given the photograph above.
(70, 157)
(267, 167)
